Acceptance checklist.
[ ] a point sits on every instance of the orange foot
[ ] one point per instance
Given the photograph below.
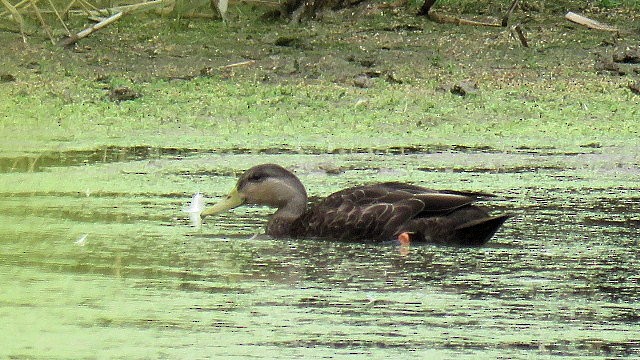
(404, 239)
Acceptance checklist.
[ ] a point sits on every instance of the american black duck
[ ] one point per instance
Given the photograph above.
(377, 212)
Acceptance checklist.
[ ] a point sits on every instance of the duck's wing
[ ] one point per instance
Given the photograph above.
(414, 189)
(374, 212)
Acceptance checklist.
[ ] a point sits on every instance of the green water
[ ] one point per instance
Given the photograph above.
(559, 280)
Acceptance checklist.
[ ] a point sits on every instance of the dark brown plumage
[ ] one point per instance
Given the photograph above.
(378, 212)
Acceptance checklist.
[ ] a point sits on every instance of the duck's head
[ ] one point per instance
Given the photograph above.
(266, 184)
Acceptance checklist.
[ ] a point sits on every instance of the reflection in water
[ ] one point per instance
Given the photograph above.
(559, 280)
(38, 162)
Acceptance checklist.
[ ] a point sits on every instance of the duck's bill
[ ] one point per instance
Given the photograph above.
(231, 201)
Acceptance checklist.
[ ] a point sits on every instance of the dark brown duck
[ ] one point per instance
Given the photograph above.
(377, 212)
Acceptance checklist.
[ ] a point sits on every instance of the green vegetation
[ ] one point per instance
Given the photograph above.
(99, 261)
(301, 88)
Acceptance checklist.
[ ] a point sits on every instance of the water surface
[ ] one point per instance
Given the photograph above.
(98, 261)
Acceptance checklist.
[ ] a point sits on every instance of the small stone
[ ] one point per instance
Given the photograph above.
(5, 78)
(609, 67)
(290, 41)
(368, 63)
(362, 81)
(392, 78)
(330, 168)
(627, 56)
(464, 88)
(123, 93)
(102, 78)
(207, 71)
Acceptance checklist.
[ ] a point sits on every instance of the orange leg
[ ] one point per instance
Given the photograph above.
(404, 239)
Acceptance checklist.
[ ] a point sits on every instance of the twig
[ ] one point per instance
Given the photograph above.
(199, 15)
(425, 10)
(242, 63)
(126, 9)
(87, 4)
(12, 8)
(459, 21)
(88, 8)
(16, 17)
(134, 7)
(505, 19)
(66, 9)
(519, 34)
(72, 39)
(426, 7)
(590, 23)
(59, 17)
(42, 22)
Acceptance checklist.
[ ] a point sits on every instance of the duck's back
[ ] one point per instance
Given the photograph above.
(375, 212)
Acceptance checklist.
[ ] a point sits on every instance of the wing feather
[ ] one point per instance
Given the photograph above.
(375, 212)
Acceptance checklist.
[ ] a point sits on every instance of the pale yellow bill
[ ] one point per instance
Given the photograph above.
(231, 201)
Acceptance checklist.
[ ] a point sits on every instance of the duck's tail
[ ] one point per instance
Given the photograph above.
(478, 232)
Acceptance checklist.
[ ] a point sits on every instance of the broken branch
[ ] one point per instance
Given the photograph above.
(519, 34)
(72, 39)
(425, 10)
(505, 19)
(16, 17)
(242, 63)
(590, 23)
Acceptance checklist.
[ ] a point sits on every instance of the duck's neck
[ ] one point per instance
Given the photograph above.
(280, 223)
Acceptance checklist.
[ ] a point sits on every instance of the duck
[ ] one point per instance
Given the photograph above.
(379, 212)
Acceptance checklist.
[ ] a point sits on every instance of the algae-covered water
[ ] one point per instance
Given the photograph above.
(98, 261)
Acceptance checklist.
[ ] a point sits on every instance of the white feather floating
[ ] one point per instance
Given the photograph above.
(82, 240)
(195, 208)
